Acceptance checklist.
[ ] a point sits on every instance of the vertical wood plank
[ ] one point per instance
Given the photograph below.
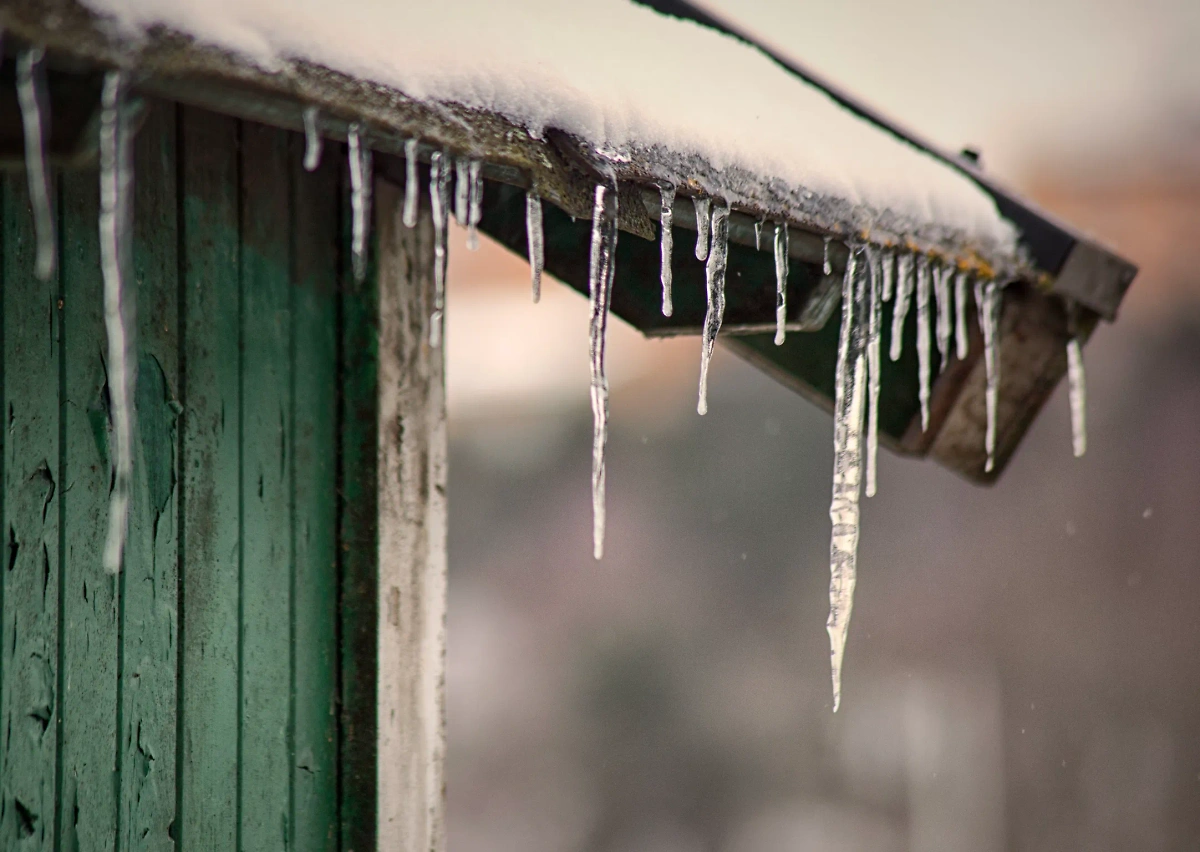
(148, 580)
(209, 713)
(412, 538)
(266, 434)
(87, 808)
(314, 626)
(29, 639)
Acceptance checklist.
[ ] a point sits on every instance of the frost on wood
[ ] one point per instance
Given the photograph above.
(312, 140)
(781, 277)
(116, 183)
(600, 278)
(849, 391)
(411, 184)
(35, 118)
(535, 239)
(439, 201)
(703, 207)
(666, 244)
(360, 200)
(714, 273)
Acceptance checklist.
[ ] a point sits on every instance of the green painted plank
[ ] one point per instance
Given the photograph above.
(87, 807)
(314, 626)
(29, 638)
(148, 580)
(266, 519)
(210, 462)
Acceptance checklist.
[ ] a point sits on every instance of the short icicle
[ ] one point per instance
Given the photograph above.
(826, 263)
(462, 190)
(360, 200)
(887, 263)
(847, 465)
(474, 204)
(758, 229)
(987, 300)
(904, 291)
(411, 184)
(666, 219)
(924, 332)
(715, 275)
(877, 261)
(961, 341)
(1076, 385)
(536, 240)
(945, 312)
(116, 182)
(313, 144)
(781, 277)
(439, 200)
(31, 93)
(703, 208)
(600, 278)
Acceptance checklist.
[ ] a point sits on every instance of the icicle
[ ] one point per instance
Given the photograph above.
(715, 275)
(904, 290)
(961, 340)
(666, 218)
(439, 200)
(887, 262)
(758, 229)
(360, 200)
(313, 144)
(31, 92)
(945, 312)
(847, 466)
(703, 207)
(987, 300)
(1077, 384)
(474, 204)
(827, 265)
(875, 306)
(781, 277)
(462, 190)
(535, 239)
(600, 278)
(411, 184)
(923, 335)
(116, 180)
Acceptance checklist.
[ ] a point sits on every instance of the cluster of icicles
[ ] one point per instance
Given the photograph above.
(873, 276)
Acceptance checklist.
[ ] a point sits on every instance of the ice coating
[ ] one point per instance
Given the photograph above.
(961, 341)
(532, 62)
(781, 277)
(847, 466)
(988, 300)
(945, 312)
(600, 278)
(360, 200)
(116, 181)
(667, 244)
(535, 238)
(924, 356)
(31, 93)
(1077, 390)
(905, 280)
(411, 184)
(312, 140)
(703, 208)
(439, 200)
(875, 262)
(714, 272)
(474, 203)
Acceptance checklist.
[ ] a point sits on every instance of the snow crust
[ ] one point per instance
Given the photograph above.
(616, 74)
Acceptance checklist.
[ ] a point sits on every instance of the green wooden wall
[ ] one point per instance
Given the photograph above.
(211, 696)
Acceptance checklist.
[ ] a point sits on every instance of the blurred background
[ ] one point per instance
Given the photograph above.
(1023, 670)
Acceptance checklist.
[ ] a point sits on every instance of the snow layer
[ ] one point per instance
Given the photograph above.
(609, 71)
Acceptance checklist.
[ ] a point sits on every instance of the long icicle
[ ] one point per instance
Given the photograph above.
(961, 340)
(462, 190)
(847, 467)
(924, 356)
(703, 207)
(474, 204)
(666, 219)
(31, 92)
(600, 278)
(945, 312)
(781, 277)
(360, 200)
(1076, 384)
(439, 200)
(715, 276)
(313, 144)
(411, 184)
(116, 181)
(536, 241)
(904, 290)
(887, 263)
(988, 301)
(876, 262)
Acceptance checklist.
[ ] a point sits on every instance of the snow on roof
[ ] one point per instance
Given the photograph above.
(621, 77)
